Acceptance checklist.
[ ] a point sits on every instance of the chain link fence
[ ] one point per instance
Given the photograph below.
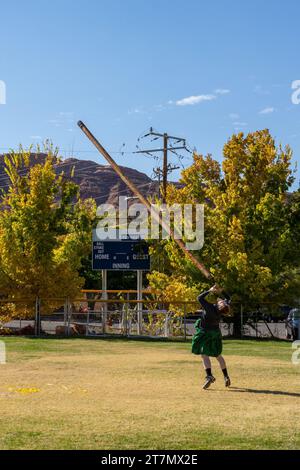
(94, 317)
(266, 320)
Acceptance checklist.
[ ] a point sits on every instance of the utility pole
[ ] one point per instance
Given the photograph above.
(144, 201)
(160, 174)
(167, 168)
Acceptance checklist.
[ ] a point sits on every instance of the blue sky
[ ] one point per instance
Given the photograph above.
(201, 70)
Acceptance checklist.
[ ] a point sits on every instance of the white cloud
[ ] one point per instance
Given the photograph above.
(222, 91)
(192, 100)
(68, 114)
(136, 111)
(234, 116)
(55, 122)
(240, 124)
(259, 90)
(269, 110)
(63, 119)
(159, 107)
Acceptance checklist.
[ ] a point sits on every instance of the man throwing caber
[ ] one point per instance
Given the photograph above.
(207, 340)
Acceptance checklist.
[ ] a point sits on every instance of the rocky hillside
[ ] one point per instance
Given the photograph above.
(97, 181)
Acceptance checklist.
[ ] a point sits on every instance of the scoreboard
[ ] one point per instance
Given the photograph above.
(121, 255)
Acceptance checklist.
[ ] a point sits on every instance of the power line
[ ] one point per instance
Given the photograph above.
(93, 152)
(170, 144)
(158, 172)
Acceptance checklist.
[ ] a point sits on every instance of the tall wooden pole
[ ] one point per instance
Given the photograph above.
(143, 200)
(165, 169)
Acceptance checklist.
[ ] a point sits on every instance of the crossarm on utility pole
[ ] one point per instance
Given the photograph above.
(143, 200)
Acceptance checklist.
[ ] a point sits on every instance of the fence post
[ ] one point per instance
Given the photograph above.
(127, 330)
(242, 321)
(65, 317)
(167, 325)
(256, 324)
(139, 305)
(184, 326)
(69, 315)
(104, 297)
(87, 323)
(37, 317)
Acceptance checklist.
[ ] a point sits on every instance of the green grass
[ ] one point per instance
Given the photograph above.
(123, 394)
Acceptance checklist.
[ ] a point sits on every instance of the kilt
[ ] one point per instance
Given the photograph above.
(207, 342)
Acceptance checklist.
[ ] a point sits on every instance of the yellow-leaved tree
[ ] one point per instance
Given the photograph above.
(45, 230)
(252, 220)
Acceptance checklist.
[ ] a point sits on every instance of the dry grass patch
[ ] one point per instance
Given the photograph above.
(87, 394)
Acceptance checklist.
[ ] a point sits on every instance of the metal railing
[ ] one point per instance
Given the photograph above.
(93, 317)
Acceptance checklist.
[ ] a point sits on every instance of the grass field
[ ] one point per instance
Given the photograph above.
(118, 394)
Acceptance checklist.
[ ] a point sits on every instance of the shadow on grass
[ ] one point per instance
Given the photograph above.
(264, 392)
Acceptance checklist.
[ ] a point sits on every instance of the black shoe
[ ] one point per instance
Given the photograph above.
(227, 382)
(208, 381)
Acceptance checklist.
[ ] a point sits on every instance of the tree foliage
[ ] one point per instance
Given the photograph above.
(45, 230)
(172, 289)
(252, 222)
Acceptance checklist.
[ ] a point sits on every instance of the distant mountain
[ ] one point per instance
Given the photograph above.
(97, 181)
(103, 184)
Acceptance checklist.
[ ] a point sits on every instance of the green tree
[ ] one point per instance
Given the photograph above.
(45, 230)
(251, 220)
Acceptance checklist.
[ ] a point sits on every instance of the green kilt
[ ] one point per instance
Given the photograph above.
(207, 343)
